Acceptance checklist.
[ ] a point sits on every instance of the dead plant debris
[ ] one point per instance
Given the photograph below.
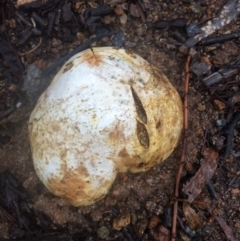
(208, 166)
(39, 36)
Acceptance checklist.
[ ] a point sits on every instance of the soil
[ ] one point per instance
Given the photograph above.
(135, 198)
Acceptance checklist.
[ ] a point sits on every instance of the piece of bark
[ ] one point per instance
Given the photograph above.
(208, 166)
(21, 2)
(192, 217)
(229, 11)
(219, 76)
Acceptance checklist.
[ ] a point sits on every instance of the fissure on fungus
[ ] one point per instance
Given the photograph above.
(106, 111)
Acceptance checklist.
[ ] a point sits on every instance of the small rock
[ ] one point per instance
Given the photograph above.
(229, 159)
(96, 215)
(153, 221)
(12, 23)
(123, 19)
(161, 233)
(237, 224)
(218, 141)
(199, 132)
(130, 44)
(12, 88)
(122, 220)
(103, 232)
(200, 68)
(56, 42)
(196, 10)
(113, 3)
(54, 50)
(150, 206)
(140, 227)
(158, 210)
(236, 98)
(133, 218)
(118, 10)
(189, 167)
(118, 39)
(221, 122)
(80, 36)
(201, 107)
(219, 105)
(192, 30)
(134, 11)
(184, 236)
(205, 59)
(192, 52)
(41, 63)
(18, 105)
(183, 49)
(108, 20)
(32, 80)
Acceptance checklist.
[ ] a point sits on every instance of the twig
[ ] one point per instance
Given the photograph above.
(211, 189)
(140, 11)
(7, 215)
(225, 73)
(219, 39)
(229, 132)
(33, 49)
(78, 49)
(182, 160)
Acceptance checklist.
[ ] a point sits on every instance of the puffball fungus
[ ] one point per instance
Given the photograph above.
(106, 111)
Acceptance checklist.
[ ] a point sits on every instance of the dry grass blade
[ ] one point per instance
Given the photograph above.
(209, 164)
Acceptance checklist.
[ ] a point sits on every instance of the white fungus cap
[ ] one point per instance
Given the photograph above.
(106, 111)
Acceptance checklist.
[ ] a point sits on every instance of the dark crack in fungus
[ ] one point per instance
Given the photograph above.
(142, 134)
(142, 115)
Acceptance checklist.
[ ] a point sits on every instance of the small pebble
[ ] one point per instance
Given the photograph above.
(140, 227)
(183, 49)
(134, 11)
(192, 52)
(192, 30)
(200, 68)
(123, 19)
(221, 122)
(18, 105)
(103, 232)
(56, 42)
(150, 206)
(218, 141)
(12, 88)
(153, 221)
(184, 236)
(118, 10)
(118, 39)
(219, 105)
(122, 220)
(196, 9)
(32, 80)
(236, 98)
(201, 107)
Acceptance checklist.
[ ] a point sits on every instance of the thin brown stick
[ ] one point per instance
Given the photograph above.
(182, 159)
